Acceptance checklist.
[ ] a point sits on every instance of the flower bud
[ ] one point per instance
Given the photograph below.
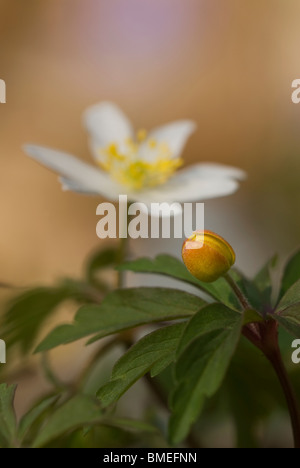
(207, 256)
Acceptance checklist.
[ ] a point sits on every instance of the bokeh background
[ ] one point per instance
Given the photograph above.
(227, 64)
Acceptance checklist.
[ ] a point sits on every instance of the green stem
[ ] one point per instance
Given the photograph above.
(121, 258)
(239, 294)
(123, 246)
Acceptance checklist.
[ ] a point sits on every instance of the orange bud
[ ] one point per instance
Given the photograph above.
(207, 256)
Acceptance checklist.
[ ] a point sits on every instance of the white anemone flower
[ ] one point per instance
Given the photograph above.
(140, 165)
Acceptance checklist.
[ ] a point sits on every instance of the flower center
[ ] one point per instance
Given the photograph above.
(126, 165)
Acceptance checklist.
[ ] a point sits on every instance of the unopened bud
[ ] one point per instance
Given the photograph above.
(207, 255)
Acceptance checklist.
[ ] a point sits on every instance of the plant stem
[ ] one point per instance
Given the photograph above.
(289, 393)
(123, 245)
(265, 337)
(239, 294)
(270, 347)
(267, 341)
(121, 258)
(251, 333)
(251, 330)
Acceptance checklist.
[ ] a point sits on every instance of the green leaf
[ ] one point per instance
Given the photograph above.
(291, 297)
(81, 410)
(263, 278)
(124, 309)
(171, 266)
(291, 272)
(249, 370)
(99, 260)
(129, 425)
(7, 413)
(3, 441)
(248, 288)
(33, 414)
(27, 312)
(204, 354)
(267, 281)
(289, 318)
(287, 312)
(152, 353)
(251, 316)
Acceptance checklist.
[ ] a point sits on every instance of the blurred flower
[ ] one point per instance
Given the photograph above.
(207, 255)
(141, 166)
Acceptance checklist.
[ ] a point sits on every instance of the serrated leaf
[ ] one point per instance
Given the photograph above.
(291, 297)
(81, 410)
(289, 318)
(267, 281)
(291, 273)
(174, 268)
(124, 309)
(287, 312)
(263, 277)
(7, 412)
(27, 312)
(204, 354)
(152, 353)
(33, 414)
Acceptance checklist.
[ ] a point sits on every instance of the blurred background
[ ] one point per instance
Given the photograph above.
(226, 64)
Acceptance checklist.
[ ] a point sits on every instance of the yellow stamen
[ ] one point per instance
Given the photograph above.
(113, 153)
(127, 168)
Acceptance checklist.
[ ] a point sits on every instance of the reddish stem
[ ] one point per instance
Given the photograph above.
(265, 337)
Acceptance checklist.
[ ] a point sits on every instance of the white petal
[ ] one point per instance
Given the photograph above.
(218, 170)
(106, 123)
(175, 134)
(76, 172)
(70, 185)
(186, 186)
